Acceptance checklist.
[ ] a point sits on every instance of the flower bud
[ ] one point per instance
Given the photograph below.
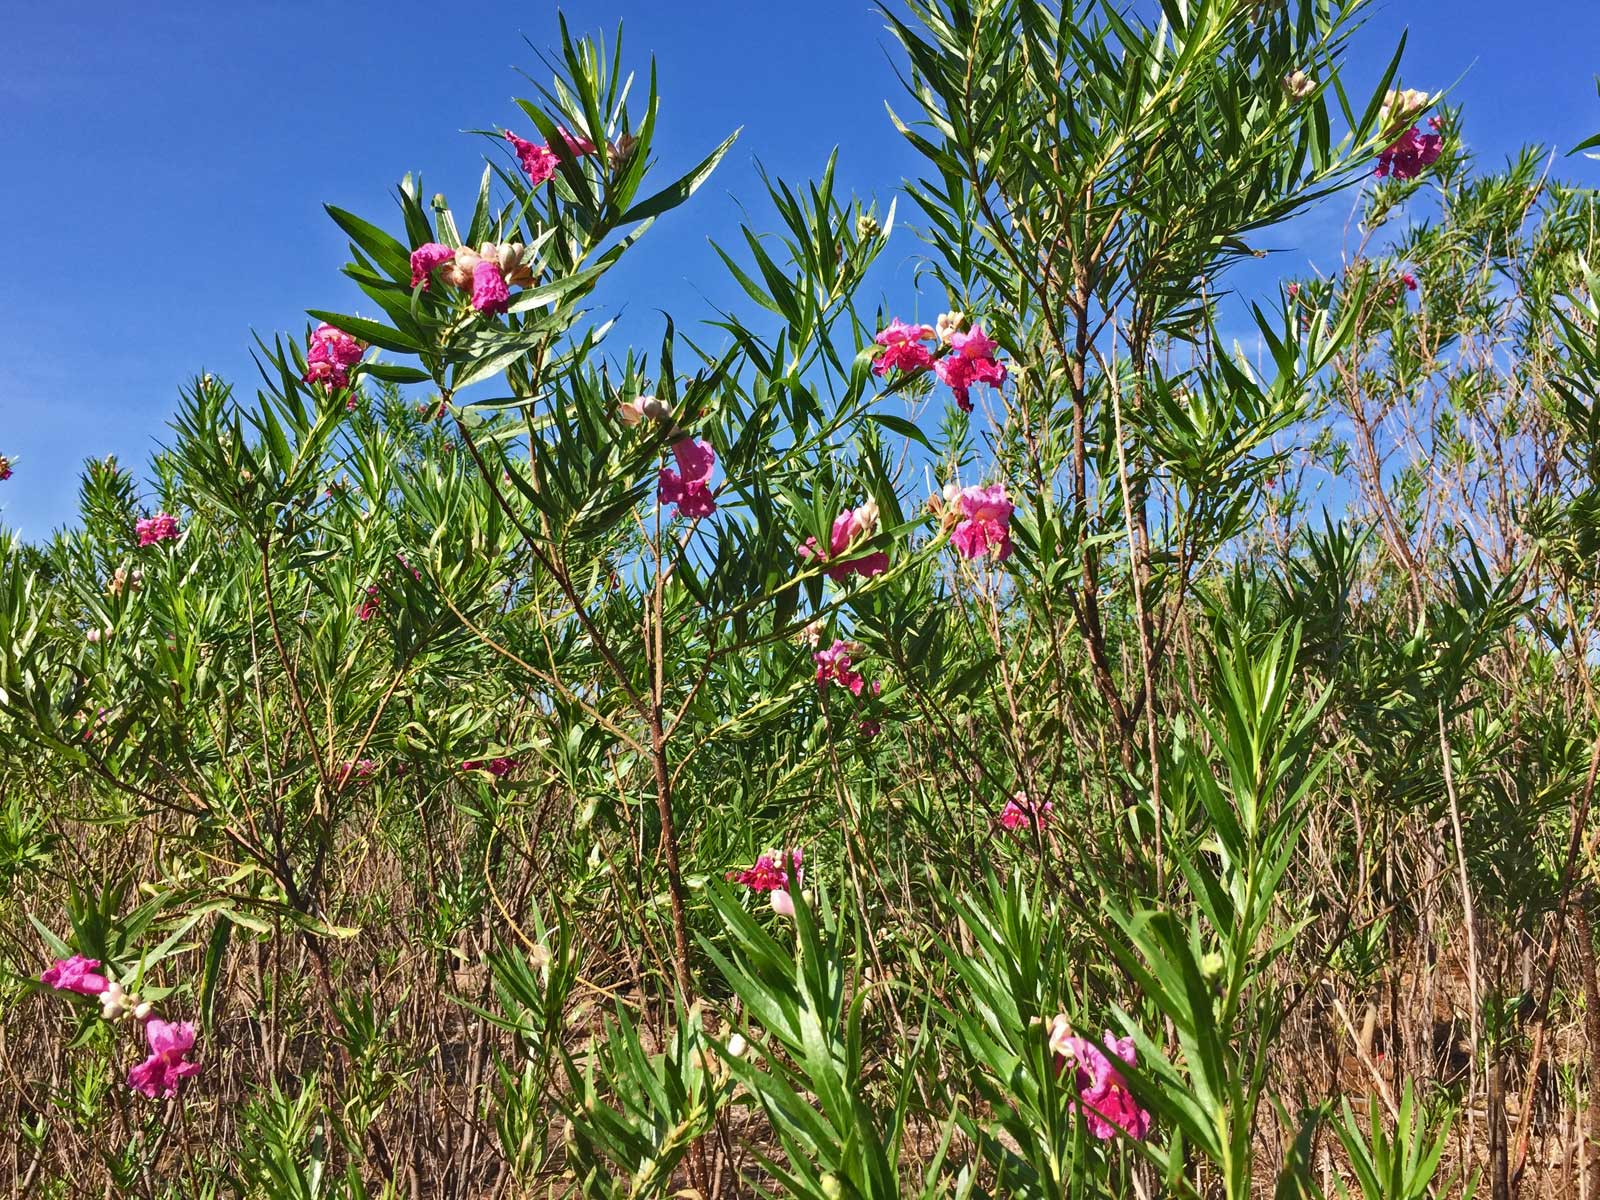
(948, 325)
(866, 519)
(737, 1046)
(113, 1001)
(782, 902)
(867, 227)
(142, 1011)
(1298, 85)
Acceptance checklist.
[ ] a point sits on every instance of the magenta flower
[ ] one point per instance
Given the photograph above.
(329, 356)
(369, 606)
(834, 666)
(1107, 1104)
(1410, 280)
(538, 163)
(986, 523)
(1020, 811)
(1409, 154)
(904, 350)
(5, 468)
(76, 974)
(498, 767)
(160, 1074)
(870, 728)
(771, 872)
(362, 770)
(426, 259)
(849, 526)
(159, 528)
(970, 361)
(577, 145)
(489, 292)
(689, 487)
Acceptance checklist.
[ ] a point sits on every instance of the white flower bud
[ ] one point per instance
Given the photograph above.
(948, 325)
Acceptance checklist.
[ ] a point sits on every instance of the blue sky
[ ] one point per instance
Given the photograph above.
(165, 168)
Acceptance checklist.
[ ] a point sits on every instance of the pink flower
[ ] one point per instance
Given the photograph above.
(426, 259)
(76, 974)
(160, 1074)
(782, 902)
(538, 163)
(903, 347)
(1020, 811)
(489, 292)
(159, 528)
(689, 487)
(577, 145)
(771, 872)
(1411, 152)
(1108, 1106)
(971, 360)
(369, 606)
(330, 355)
(362, 770)
(986, 523)
(870, 729)
(850, 526)
(833, 666)
(5, 468)
(1410, 280)
(498, 767)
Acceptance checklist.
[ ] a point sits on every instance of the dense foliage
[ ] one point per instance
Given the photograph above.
(1002, 739)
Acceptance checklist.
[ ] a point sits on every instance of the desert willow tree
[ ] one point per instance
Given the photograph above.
(1092, 173)
(1091, 178)
(1467, 386)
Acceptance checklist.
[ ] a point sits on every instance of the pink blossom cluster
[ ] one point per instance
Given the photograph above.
(159, 528)
(369, 606)
(772, 875)
(1411, 152)
(5, 468)
(539, 162)
(487, 274)
(498, 767)
(362, 770)
(169, 1042)
(689, 487)
(1020, 812)
(330, 355)
(1108, 1106)
(835, 667)
(979, 519)
(903, 348)
(969, 359)
(849, 527)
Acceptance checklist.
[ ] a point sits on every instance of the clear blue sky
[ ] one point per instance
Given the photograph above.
(165, 165)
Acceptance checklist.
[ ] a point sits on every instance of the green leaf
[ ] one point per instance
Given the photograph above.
(670, 197)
